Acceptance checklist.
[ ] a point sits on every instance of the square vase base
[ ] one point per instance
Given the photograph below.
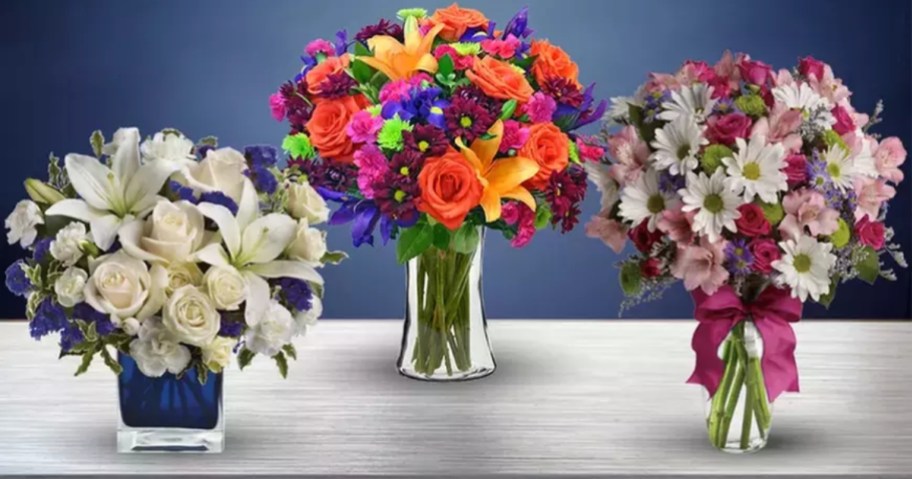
(170, 440)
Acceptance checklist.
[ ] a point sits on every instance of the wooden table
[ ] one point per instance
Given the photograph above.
(568, 397)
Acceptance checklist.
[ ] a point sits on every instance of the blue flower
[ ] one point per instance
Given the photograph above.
(296, 292)
(263, 179)
(738, 258)
(49, 318)
(16, 281)
(219, 198)
(70, 337)
(182, 191)
(204, 150)
(261, 155)
(363, 214)
(423, 105)
(103, 324)
(41, 249)
(229, 328)
(571, 118)
(518, 26)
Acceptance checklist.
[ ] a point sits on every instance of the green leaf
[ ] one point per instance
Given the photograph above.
(827, 299)
(414, 241)
(506, 112)
(441, 236)
(202, 373)
(361, 50)
(445, 66)
(97, 140)
(109, 360)
(526, 63)
(361, 72)
(282, 363)
(245, 356)
(646, 130)
(290, 351)
(208, 141)
(543, 216)
(317, 289)
(867, 264)
(631, 278)
(334, 257)
(465, 239)
(86, 362)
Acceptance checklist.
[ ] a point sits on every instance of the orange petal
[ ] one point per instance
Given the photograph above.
(508, 173)
(490, 203)
(520, 193)
(470, 156)
(427, 63)
(428, 39)
(383, 45)
(487, 149)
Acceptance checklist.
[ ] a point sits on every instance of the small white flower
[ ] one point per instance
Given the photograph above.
(67, 245)
(598, 174)
(156, 351)
(800, 96)
(695, 101)
(756, 169)
(191, 317)
(308, 319)
(305, 203)
(308, 245)
(217, 354)
(715, 203)
(677, 144)
(171, 146)
(619, 111)
(805, 267)
(21, 223)
(226, 286)
(270, 330)
(70, 286)
(644, 200)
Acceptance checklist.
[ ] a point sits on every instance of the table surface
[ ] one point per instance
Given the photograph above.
(580, 397)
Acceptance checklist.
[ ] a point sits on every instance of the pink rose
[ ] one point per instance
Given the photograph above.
(612, 233)
(752, 222)
(700, 266)
(844, 121)
(277, 106)
(796, 168)
(764, 251)
(807, 209)
(725, 128)
(677, 224)
(870, 233)
(889, 156)
(810, 66)
(753, 71)
(871, 195)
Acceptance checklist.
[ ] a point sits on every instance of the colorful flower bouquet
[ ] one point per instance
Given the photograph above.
(760, 190)
(430, 131)
(172, 276)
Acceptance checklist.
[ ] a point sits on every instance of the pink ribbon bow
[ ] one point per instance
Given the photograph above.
(771, 312)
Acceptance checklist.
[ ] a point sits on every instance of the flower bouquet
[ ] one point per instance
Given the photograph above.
(164, 258)
(760, 190)
(432, 130)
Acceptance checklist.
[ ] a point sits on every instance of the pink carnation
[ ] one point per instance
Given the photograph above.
(871, 194)
(588, 151)
(612, 232)
(700, 266)
(505, 48)
(363, 127)
(396, 90)
(277, 106)
(514, 136)
(372, 165)
(888, 157)
(807, 209)
(515, 213)
(320, 46)
(540, 108)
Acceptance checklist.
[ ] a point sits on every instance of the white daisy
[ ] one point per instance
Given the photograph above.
(619, 111)
(843, 168)
(756, 169)
(599, 175)
(677, 144)
(695, 100)
(715, 203)
(644, 200)
(800, 96)
(805, 267)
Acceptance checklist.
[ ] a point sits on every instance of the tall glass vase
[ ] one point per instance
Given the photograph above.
(739, 414)
(169, 413)
(445, 336)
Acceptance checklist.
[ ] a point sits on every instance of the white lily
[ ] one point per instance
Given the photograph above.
(252, 244)
(110, 197)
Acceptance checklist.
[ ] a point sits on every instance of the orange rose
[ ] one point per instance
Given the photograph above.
(449, 189)
(549, 147)
(327, 127)
(318, 74)
(456, 20)
(552, 61)
(500, 80)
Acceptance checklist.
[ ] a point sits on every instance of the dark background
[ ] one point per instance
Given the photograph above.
(207, 67)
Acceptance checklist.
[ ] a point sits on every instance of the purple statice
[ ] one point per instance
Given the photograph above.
(397, 192)
(70, 336)
(296, 292)
(181, 192)
(263, 179)
(331, 175)
(467, 119)
(382, 27)
(16, 281)
(103, 324)
(738, 258)
(49, 318)
(426, 140)
(565, 192)
(671, 183)
(422, 105)
(42, 247)
(219, 198)
(229, 327)
(261, 155)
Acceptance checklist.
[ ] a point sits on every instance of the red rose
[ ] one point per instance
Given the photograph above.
(725, 128)
(796, 168)
(644, 239)
(764, 251)
(754, 72)
(752, 221)
(809, 65)
(844, 121)
(650, 268)
(870, 233)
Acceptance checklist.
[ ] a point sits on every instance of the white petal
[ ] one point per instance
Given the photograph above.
(157, 294)
(144, 186)
(287, 269)
(248, 205)
(257, 298)
(266, 238)
(130, 235)
(94, 182)
(104, 230)
(213, 254)
(76, 209)
(125, 161)
(227, 224)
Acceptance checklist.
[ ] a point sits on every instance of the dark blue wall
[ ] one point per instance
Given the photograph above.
(207, 67)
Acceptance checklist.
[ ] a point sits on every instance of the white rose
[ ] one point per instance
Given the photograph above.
(123, 287)
(305, 203)
(222, 170)
(67, 245)
(308, 319)
(268, 331)
(171, 146)
(156, 351)
(172, 233)
(226, 287)
(308, 245)
(217, 354)
(70, 287)
(21, 223)
(191, 317)
(183, 274)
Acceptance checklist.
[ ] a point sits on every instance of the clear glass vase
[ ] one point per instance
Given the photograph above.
(739, 414)
(445, 336)
(169, 413)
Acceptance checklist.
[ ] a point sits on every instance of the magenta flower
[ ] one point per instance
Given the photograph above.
(519, 215)
(505, 48)
(277, 106)
(514, 136)
(372, 165)
(363, 127)
(540, 108)
(320, 46)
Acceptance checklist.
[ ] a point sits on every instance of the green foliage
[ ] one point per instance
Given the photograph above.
(827, 299)
(441, 237)
(638, 120)
(507, 110)
(465, 239)
(245, 357)
(831, 139)
(867, 264)
(97, 140)
(361, 50)
(414, 241)
(334, 257)
(841, 236)
(208, 141)
(361, 72)
(631, 278)
(290, 351)
(712, 157)
(543, 215)
(282, 363)
(573, 151)
(752, 105)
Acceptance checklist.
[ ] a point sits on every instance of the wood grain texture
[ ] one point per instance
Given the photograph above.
(580, 397)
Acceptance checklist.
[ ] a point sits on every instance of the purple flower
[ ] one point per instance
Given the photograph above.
(427, 140)
(261, 155)
(467, 119)
(70, 336)
(87, 313)
(42, 247)
(263, 179)
(182, 192)
(49, 318)
(396, 193)
(670, 183)
(229, 327)
(219, 198)
(296, 293)
(337, 85)
(331, 175)
(382, 27)
(570, 117)
(16, 281)
(422, 105)
(518, 26)
(363, 214)
(738, 258)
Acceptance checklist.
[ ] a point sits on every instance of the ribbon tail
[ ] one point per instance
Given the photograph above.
(706, 341)
(780, 371)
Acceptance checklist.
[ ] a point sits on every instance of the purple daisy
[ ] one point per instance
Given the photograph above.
(467, 119)
(738, 258)
(426, 140)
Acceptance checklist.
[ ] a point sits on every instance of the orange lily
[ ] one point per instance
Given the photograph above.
(400, 61)
(502, 178)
